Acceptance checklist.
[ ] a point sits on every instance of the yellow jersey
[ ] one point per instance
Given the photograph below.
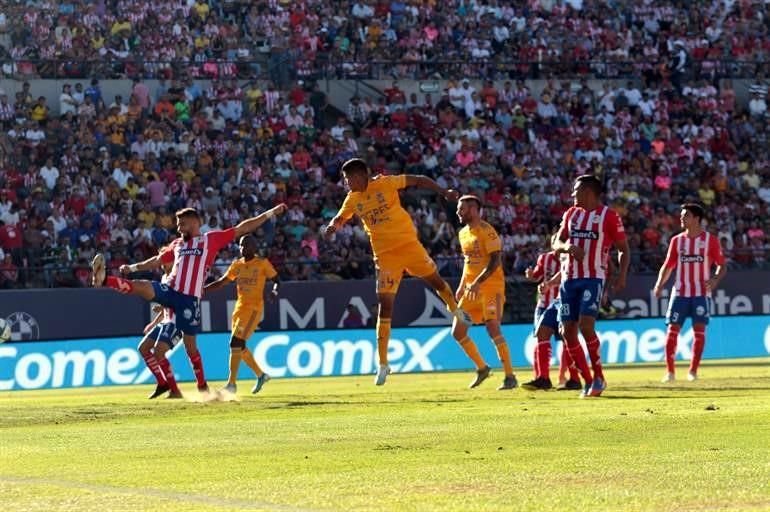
(250, 277)
(477, 244)
(386, 222)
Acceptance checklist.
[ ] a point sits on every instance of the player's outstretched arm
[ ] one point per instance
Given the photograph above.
(624, 259)
(216, 285)
(153, 263)
(413, 180)
(249, 225)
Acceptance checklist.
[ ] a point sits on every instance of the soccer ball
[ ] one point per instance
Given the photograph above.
(5, 330)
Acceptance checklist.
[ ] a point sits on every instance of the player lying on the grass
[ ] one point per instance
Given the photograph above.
(546, 326)
(395, 245)
(481, 292)
(588, 231)
(692, 253)
(191, 255)
(250, 272)
(160, 336)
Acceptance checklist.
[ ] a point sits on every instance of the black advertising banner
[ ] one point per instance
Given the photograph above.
(61, 313)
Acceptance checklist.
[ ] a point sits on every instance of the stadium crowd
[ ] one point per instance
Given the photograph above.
(405, 38)
(106, 174)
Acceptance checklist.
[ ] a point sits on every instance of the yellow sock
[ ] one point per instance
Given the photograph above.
(383, 338)
(235, 361)
(503, 354)
(472, 351)
(248, 358)
(445, 292)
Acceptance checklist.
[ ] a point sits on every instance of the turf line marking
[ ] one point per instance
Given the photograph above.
(155, 493)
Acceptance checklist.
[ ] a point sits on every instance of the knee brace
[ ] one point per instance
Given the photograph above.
(237, 343)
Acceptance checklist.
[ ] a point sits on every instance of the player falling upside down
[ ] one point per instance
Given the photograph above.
(481, 292)
(587, 232)
(394, 242)
(192, 256)
(546, 326)
(160, 336)
(250, 273)
(692, 253)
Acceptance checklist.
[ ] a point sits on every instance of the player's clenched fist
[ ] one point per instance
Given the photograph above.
(329, 231)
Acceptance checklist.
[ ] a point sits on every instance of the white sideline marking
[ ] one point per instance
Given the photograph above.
(202, 499)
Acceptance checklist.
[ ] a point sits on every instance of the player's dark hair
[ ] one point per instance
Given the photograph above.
(695, 209)
(188, 213)
(247, 237)
(592, 182)
(471, 199)
(355, 166)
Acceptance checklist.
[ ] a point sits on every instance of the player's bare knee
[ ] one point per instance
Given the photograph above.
(459, 331)
(587, 328)
(145, 348)
(493, 328)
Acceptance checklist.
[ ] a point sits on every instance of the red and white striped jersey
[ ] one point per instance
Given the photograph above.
(595, 232)
(693, 258)
(193, 258)
(546, 267)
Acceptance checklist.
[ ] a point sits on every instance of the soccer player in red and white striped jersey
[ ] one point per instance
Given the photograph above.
(588, 231)
(192, 255)
(692, 253)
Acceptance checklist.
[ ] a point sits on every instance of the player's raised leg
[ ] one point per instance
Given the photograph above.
(444, 291)
(99, 279)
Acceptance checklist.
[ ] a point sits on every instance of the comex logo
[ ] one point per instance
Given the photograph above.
(24, 327)
(343, 357)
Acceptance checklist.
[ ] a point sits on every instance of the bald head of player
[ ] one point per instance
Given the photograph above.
(587, 191)
(188, 223)
(356, 174)
(469, 210)
(248, 246)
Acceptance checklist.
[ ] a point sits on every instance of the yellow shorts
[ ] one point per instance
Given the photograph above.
(487, 306)
(410, 258)
(246, 319)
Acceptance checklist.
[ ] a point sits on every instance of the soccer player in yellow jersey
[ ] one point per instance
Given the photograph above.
(395, 245)
(482, 289)
(250, 273)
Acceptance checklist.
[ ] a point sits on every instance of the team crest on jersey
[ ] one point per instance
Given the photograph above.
(597, 220)
(360, 207)
(380, 198)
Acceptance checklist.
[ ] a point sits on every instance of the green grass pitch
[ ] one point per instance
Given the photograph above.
(422, 442)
